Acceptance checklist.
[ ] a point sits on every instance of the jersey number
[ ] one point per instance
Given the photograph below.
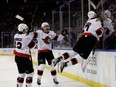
(87, 26)
(19, 45)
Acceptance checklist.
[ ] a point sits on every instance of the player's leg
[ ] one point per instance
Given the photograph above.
(49, 58)
(29, 79)
(40, 73)
(29, 71)
(76, 50)
(77, 59)
(54, 74)
(20, 79)
(64, 56)
(83, 47)
(41, 66)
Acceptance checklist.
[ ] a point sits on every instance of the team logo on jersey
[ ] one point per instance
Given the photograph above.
(47, 40)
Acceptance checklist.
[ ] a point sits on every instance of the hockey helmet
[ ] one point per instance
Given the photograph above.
(22, 27)
(44, 24)
(107, 13)
(91, 14)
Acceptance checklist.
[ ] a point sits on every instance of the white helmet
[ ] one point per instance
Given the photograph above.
(107, 13)
(22, 27)
(44, 24)
(91, 14)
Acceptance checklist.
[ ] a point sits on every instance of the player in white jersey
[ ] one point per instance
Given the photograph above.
(23, 42)
(107, 24)
(109, 32)
(45, 37)
(83, 47)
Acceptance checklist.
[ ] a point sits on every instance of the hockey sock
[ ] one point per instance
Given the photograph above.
(66, 55)
(53, 72)
(77, 59)
(20, 80)
(40, 70)
(29, 79)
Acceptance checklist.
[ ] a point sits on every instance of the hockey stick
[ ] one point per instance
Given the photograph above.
(19, 17)
(31, 23)
(31, 26)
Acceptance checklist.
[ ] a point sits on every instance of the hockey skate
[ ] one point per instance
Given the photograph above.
(55, 61)
(55, 81)
(62, 66)
(38, 81)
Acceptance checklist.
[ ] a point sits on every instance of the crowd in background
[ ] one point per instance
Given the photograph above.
(8, 22)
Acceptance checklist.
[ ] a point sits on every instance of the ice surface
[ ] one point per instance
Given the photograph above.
(9, 73)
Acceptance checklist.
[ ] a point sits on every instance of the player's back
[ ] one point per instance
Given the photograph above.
(92, 26)
(21, 42)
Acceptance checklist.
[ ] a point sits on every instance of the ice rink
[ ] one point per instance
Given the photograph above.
(9, 73)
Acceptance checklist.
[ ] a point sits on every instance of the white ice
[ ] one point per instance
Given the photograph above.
(9, 73)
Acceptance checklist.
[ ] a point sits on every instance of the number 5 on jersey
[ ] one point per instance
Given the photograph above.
(18, 45)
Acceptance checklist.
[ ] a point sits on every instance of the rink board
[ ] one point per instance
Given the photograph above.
(99, 71)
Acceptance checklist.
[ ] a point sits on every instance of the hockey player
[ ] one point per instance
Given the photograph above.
(92, 33)
(107, 24)
(23, 42)
(45, 37)
(109, 32)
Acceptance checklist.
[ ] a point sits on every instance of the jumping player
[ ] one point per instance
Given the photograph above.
(92, 33)
(23, 42)
(45, 37)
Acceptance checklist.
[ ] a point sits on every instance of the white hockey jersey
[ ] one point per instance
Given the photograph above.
(108, 27)
(22, 43)
(44, 40)
(94, 27)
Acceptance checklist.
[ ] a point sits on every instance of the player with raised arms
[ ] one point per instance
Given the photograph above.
(23, 43)
(45, 36)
